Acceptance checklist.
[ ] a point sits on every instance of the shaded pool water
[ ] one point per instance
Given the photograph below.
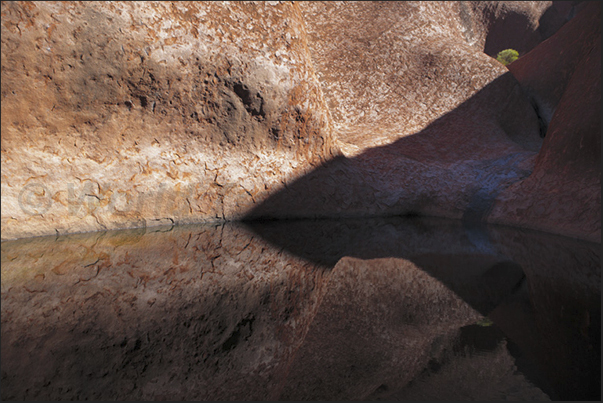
(369, 309)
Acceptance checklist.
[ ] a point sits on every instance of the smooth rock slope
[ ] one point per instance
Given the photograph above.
(563, 193)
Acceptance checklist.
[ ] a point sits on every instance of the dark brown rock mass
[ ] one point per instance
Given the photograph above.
(216, 313)
(547, 318)
(563, 193)
(493, 26)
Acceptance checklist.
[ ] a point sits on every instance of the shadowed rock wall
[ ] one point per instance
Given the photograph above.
(493, 26)
(427, 123)
(470, 160)
(563, 193)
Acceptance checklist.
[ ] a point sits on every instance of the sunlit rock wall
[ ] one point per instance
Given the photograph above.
(388, 69)
(131, 114)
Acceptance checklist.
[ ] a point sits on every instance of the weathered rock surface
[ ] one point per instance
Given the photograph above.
(556, 318)
(128, 115)
(199, 313)
(132, 114)
(392, 330)
(428, 124)
(459, 163)
(563, 193)
(453, 168)
(478, 375)
(552, 316)
(545, 73)
(393, 76)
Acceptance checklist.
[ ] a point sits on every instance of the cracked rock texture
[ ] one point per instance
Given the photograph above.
(122, 114)
(169, 313)
(393, 76)
(382, 308)
(455, 137)
(131, 114)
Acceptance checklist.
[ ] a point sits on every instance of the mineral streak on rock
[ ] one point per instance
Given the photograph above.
(131, 114)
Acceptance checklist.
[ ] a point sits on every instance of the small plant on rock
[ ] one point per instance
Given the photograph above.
(507, 56)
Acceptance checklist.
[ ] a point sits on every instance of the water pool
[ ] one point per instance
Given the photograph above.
(370, 309)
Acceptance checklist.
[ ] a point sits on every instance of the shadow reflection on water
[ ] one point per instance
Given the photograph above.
(384, 308)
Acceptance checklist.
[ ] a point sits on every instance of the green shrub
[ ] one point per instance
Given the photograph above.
(507, 56)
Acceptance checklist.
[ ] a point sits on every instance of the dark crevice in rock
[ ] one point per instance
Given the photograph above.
(242, 332)
(542, 122)
(254, 103)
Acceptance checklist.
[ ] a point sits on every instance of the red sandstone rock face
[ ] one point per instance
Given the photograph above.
(339, 309)
(537, 322)
(120, 115)
(563, 194)
(388, 69)
(427, 123)
(131, 114)
(122, 315)
(545, 72)
(340, 359)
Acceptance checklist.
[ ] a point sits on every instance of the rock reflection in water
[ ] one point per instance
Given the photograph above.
(348, 309)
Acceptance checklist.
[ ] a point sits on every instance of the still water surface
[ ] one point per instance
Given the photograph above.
(370, 309)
